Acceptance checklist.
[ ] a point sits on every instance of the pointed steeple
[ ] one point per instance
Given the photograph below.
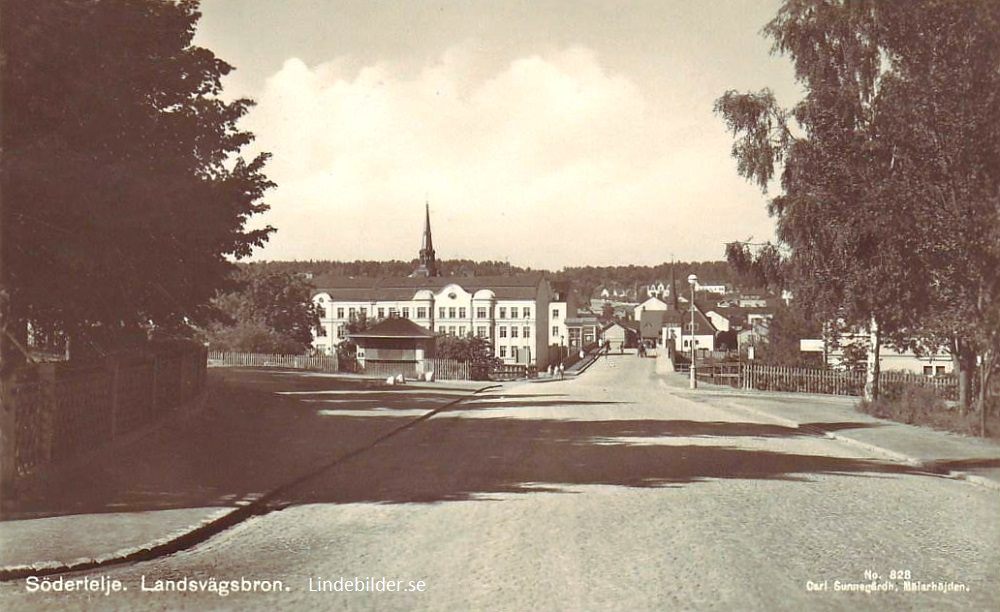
(428, 264)
(673, 288)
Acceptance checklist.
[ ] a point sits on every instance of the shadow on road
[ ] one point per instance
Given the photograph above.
(262, 430)
(449, 459)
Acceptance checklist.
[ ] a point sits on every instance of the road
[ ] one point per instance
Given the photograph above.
(614, 491)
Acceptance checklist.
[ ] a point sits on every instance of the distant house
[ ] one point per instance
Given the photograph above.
(652, 304)
(716, 287)
(583, 331)
(617, 336)
(651, 326)
(934, 364)
(679, 330)
(719, 320)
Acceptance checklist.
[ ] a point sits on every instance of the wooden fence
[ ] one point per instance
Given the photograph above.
(829, 382)
(318, 363)
(443, 369)
(449, 369)
(55, 412)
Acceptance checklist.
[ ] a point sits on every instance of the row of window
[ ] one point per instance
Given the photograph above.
(483, 332)
(513, 351)
(450, 312)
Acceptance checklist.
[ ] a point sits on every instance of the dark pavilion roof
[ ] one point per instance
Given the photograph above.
(653, 321)
(395, 327)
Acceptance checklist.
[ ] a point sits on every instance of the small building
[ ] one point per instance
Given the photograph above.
(651, 305)
(617, 336)
(397, 342)
(583, 331)
(678, 329)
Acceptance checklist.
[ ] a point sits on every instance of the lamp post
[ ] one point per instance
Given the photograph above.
(693, 280)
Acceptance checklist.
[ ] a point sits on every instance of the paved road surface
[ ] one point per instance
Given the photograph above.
(612, 491)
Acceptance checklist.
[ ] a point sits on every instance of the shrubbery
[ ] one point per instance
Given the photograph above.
(921, 406)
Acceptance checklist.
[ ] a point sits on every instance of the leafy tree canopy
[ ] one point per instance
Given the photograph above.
(124, 194)
(272, 312)
(889, 208)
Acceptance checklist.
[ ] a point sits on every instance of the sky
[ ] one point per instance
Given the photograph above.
(548, 134)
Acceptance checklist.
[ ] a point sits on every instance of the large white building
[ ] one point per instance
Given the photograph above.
(513, 312)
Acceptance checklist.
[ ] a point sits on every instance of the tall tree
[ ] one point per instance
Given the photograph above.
(871, 221)
(124, 194)
(830, 215)
(944, 92)
(272, 312)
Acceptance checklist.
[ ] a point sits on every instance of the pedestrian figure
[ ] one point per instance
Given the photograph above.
(560, 370)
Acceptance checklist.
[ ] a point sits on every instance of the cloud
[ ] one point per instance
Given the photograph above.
(549, 159)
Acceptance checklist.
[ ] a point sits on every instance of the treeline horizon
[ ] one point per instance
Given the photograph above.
(585, 279)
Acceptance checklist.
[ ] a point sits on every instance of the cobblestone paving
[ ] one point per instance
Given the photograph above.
(608, 492)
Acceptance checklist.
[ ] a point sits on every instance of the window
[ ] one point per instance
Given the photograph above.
(503, 312)
(687, 344)
(527, 312)
(461, 313)
(461, 331)
(441, 312)
(940, 370)
(363, 311)
(527, 332)
(381, 313)
(688, 327)
(481, 312)
(421, 312)
(503, 351)
(928, 370)
(481, 331)
(513, 332)
(406, 312)
(513, 312)
(503, 332)
(352, 312)
(340, 313)
(321, 332)
(451, 312)
(442, 329)
(555, 331)
(451, 330)
(393, 313)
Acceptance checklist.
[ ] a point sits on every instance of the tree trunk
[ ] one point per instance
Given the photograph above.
(965, 365)
(985, 373)
(872, 367)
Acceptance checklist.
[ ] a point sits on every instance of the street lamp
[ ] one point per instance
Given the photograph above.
(693, 280)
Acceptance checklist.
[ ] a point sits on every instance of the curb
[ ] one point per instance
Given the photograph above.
(212, 525)
(975, 479)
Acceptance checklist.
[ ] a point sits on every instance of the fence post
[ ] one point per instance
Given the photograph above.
(115, 382)
(156, 376)
(8, 441)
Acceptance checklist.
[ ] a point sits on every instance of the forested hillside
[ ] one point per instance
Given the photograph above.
(585, 280)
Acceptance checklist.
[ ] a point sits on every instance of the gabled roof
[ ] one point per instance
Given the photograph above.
(651, 323)
(515, 287)
(395, 327)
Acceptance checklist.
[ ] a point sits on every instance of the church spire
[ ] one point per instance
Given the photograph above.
(428, 264)
(673, 287)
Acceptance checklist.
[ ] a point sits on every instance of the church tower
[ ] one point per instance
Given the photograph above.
(428, 265)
